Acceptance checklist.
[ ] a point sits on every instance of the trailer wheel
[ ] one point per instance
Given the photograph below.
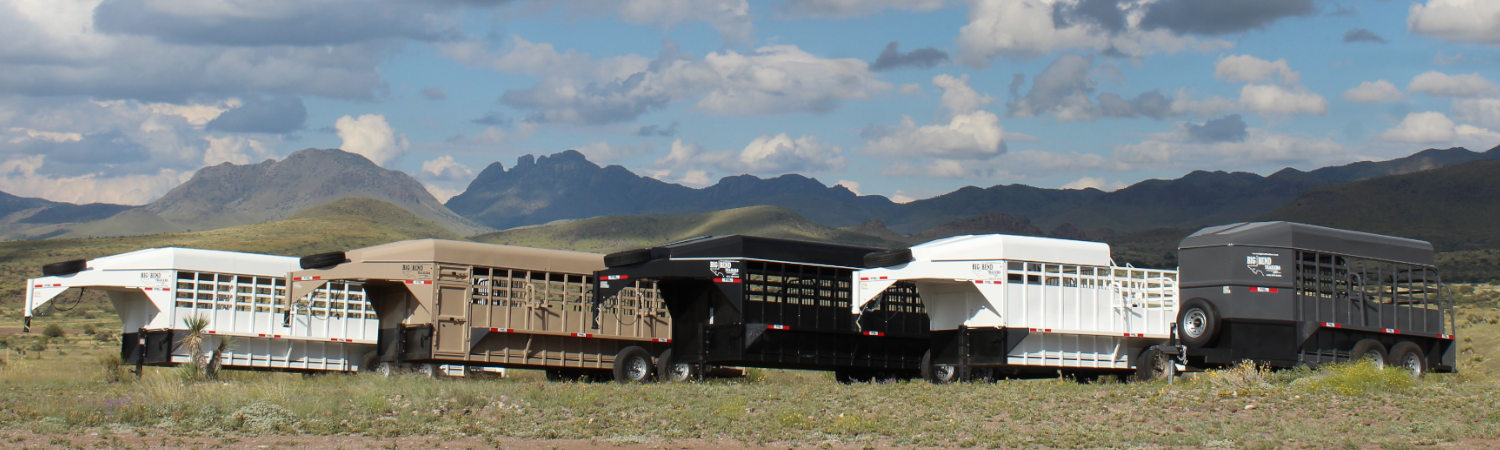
(1369, 349)
(385, 368)
(427, 370)
(937, 373)
(1198, 323)
(668, 370)
(368, 362)
(64, 267)
(1153, 364)
(323, 260)
(888, 258)
(1408, 355)
(557, 375)
(627, 257)
(633, 365)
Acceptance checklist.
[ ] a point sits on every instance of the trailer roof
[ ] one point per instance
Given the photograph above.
(175, 258)
(479, 254)
(773, 249)
(1014, 248)
(1313, 237)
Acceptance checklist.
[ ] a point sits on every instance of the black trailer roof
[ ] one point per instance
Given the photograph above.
(763, 248)
(1312, 237)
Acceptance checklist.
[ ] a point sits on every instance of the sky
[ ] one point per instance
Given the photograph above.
(119, 101)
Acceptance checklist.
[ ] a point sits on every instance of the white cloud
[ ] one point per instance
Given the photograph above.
(1177, 149)
(910, 89)
(731, 18)
(606, 153)
(1027, 29)
(1249, 69)
(975, 135)
(1457, 20)
(1273, 99)
(1422, 128)
(781, 153)
(958, 97)
(234, 149)
(783, 78)
(855, 8)
(1483, 111)
(371, 136)
(20, 135)
(1378, 91)
(542, 60)
(445, 167)
(1096, 183)
(1475, 138)
(852, 186)
(21, 176)
(1440, 84)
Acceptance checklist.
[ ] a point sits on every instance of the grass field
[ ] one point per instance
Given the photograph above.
(59, 397)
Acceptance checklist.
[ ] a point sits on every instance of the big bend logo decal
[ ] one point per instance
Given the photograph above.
(1263, 264)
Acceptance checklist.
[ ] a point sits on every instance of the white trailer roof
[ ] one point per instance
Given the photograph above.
(991, 247)
(174, 258)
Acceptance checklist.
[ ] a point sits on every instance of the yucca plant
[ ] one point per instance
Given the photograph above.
(192, 343)
(216, 360)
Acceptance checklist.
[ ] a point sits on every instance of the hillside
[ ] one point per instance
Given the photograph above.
(35, 218)
(608, 234)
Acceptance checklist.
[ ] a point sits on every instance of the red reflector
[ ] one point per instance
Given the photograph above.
(583, 335)
(727, 280)
(306, 278)
(616, 277)
(874, 333)
(1391, 330)
(212, 332)
(1332, 325)
(500, 330)
(261, 335)
(661, 340)
(777, 327)
(1265, 290)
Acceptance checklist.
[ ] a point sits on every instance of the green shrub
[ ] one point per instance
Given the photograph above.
(113, 367)
(53, 331)
(1359, 377)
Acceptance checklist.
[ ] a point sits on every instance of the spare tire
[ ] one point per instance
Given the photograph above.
(627, 257)
(65, 267)
(323, 260)
(888, 258)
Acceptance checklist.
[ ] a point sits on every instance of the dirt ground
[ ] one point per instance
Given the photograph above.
(94, 438)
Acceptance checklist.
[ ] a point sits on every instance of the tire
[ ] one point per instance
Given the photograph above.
(668, 370)
(1153, 365)
(385, 369)
(937, 373)
(627, 257)
(1408, 355)
(368, 361)
(1198, 323)
(1369, 349)
(557, 375)
(427, 370)
(632, 365)
(888, 258)
(323, 260)
(65, 267)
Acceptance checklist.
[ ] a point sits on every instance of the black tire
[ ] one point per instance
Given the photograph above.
(368, 361)
(888, 258)
(1371, 349)
(1408, 355)
(668, 370)
(627, 257)
(557, 375)
(1198, 323)
(937, 373)
(632, 365)
(323, 260)
(1153, 365)
(64, 267)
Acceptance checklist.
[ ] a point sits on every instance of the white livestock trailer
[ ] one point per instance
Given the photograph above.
(1003, 305)
(242, 295)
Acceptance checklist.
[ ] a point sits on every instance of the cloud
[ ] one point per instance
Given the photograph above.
(852, 186)
(1095, 183)
(235, 149)
(434, 93)
(892, 58)
(910, 89)
(1230, 128)
(1422, 128)
(22, 176)
(271, 22)
(1062, 88)
(766, 154)
(1259, 146)
(1031, 28)
(1440, 84)
(1216, 17)
(1362, 35)
(1249, 69)
(1273, 99)
(1469, 136)
(654, 130)
(1378, 91)
(370, 136)
(1105, 14)
(731, 18)
(1483, 111)
(605, 152)
(1475, 21)
(275, 115)
(493, 118)
(543, 60)
(975, 135)
(854, 8)
(561, 100)
(1150, 104)
(958, 97)
(445, 167)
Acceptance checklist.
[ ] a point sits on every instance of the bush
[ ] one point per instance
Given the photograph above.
(113, 367)
(88, 328)
(1359, 377)
(53, 331)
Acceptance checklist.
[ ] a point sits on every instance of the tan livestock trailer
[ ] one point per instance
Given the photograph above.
(452, 302)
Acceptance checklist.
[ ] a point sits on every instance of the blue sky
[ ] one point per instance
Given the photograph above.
(121, 100)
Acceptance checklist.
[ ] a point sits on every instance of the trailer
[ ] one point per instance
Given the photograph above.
(775, 303)
(1291, 294)
(474, 304)
(242, 296)
(1017, 306)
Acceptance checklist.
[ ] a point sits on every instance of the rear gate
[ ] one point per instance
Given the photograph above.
(452, 313)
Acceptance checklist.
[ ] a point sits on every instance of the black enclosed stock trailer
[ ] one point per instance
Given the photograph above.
(773, 303)
(1288, 294)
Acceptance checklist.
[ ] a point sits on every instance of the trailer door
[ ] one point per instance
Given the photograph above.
(452, 338)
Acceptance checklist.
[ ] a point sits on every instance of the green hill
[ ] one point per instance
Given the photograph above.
(608, 234)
